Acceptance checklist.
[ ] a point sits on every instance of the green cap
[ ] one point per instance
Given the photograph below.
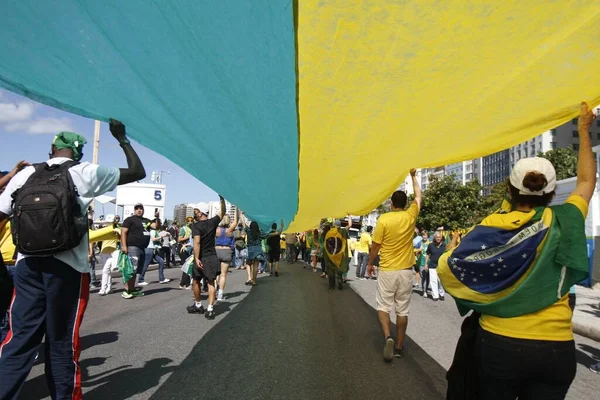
(70, 140)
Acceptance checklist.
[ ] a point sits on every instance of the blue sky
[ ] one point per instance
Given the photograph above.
(27, 129)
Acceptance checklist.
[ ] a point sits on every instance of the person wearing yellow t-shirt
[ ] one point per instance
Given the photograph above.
(363, 247)
(394, 237)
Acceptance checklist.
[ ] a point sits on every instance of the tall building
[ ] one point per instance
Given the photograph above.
(463, 172)
(427, 173)
(494, 169)
(182, 211)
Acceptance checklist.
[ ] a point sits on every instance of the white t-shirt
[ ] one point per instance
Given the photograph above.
(91, 180)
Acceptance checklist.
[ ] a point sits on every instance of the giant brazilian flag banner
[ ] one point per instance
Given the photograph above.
(329, 102)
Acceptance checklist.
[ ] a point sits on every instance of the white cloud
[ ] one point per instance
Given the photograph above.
(14, 112)
(20, 118)
(41, 126)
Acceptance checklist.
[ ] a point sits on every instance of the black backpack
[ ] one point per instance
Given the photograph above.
(46, 216)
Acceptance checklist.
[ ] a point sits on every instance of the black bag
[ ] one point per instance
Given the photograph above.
(47, 218)
(462, 376)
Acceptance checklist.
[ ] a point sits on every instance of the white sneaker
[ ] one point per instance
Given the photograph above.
(220, 296)
(142, 284)
(165, 281)
(425, 294)
(101, 293)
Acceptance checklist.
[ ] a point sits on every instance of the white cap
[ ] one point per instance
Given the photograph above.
(533, 164)
(202, 207)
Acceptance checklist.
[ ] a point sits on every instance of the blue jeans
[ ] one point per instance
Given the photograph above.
(138, 258)
(240, 257)
(161, 267)
(148, 254)
(361, 268)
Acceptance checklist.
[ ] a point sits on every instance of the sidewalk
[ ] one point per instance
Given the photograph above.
(586, 318)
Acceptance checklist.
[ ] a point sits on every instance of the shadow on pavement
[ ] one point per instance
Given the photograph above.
(123, 382)
(291, 338)
(587, 355)
(158, 290)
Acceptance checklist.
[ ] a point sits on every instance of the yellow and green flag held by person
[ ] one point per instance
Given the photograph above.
(517, 263)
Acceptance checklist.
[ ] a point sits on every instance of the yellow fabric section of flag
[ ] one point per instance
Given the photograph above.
(385, 86)
(458, 288)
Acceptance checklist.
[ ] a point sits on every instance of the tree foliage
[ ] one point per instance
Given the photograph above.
(448, 203)
(564, 161)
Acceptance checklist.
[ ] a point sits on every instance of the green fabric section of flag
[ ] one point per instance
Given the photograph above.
(561, 263)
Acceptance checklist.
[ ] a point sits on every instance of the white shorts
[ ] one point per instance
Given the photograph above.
(394, 288)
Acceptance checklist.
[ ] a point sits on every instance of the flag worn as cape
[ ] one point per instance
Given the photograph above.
(516, 263)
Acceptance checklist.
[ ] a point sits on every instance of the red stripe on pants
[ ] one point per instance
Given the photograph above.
(9, 336)
(84, 296)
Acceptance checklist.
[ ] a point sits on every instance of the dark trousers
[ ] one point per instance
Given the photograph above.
(424, 280)
(526, 369)
(361, 267)
(50, 299)
(165, 253)
(185, 278)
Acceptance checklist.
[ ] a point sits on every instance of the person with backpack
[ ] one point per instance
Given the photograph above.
(52, 272)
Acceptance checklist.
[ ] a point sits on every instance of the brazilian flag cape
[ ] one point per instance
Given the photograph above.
(336, 248)
(516, 263)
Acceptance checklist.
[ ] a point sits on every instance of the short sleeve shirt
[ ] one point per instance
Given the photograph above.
(91, 180)
(137, 234)
(395, 232)
(364, 243)
(207, 230)
(434, 252)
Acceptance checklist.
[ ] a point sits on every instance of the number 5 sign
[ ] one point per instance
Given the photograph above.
(158, 195)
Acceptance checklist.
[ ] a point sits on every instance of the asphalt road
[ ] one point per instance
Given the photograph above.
(435, 327)
(287, 338)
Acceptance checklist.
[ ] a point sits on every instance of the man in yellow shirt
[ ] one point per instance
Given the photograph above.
(394, 237)
(362, 248)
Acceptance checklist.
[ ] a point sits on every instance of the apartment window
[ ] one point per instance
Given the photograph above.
(553, 145)
(575, 147)
(553, 132)
(598, 123)
(574, 121)
(599, 136)
(575, 134)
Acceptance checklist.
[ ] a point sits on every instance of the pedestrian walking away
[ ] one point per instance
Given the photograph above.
(52, 281)
(524, 345)
(393, 236)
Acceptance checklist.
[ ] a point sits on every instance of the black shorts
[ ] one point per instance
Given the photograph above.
(211, 268)
(274, 256)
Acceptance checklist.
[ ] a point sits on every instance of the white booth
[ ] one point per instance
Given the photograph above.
(152, 196)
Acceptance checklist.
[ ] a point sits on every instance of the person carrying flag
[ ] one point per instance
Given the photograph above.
(336, 255)
(514, 270)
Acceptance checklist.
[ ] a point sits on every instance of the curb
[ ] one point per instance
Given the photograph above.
(589, 331)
